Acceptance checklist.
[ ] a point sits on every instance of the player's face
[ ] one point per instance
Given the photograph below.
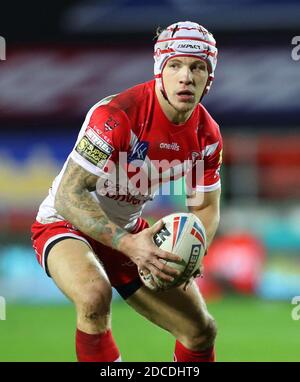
(184, 82)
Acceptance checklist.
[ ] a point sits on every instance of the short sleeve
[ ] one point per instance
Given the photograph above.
(105, 133)
(212, 164)
(205, 176)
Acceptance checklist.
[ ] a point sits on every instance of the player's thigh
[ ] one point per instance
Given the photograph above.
(175, 310)
(77, 272)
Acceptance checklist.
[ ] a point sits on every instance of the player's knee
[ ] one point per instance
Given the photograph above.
(94, 301)
(202, 337)
(210, 333)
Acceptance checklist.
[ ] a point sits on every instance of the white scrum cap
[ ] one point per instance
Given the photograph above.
(185, 38)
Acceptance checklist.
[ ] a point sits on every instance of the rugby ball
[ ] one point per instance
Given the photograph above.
(184, 235)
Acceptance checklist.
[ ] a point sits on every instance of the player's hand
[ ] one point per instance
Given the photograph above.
(198, 273)
(141, 249)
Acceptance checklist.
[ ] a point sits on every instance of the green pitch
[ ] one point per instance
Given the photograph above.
(249, 330)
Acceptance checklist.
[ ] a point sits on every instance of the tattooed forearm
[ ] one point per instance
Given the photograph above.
(74, 202)
(119, 233)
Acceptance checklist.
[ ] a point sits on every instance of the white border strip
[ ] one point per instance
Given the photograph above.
(49, 241)
(209, 188)
(86, 165)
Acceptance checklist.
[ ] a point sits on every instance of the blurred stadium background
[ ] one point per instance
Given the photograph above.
(64, 56)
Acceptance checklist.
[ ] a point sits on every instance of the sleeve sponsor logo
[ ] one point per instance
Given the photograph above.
(102, 134)
(98, 142)
(88, 150)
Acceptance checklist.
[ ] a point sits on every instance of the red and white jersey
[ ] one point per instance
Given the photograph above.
(133, 124)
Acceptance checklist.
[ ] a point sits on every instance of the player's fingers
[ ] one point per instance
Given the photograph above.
(146, 275)
(167, 255)
(187, 284)
(144, 271)
(201, 270)
(166, 269)
(156, 227)
(157, 273)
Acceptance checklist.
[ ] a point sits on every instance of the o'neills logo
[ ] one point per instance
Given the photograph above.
(170, 146)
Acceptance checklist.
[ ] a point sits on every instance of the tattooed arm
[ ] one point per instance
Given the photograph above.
(74, 202)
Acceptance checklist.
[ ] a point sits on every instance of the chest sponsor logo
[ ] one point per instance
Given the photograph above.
(170, 146)
(139, 151)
